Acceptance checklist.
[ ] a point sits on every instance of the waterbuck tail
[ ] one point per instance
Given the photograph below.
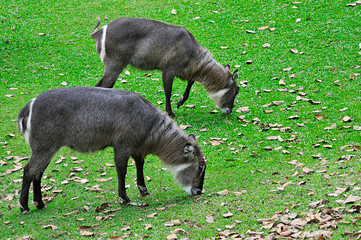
(24, 117)
(94, 32)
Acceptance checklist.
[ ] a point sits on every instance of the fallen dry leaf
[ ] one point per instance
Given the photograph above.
(286, 69)
(85, 231)
(333, 126)
(275, 138)
(209, 218)
(223, 192)
(352, 199)
(227, 215)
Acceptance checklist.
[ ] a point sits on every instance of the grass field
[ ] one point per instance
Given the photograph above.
(285, 164)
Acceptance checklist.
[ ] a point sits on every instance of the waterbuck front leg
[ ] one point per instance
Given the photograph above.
(139, 162)
(185, 96)
(112, 70)
(121, 157)
(168, 78)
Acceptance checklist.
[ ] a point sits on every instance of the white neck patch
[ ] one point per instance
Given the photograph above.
(175, 169)
(102, 48)
(217, 96)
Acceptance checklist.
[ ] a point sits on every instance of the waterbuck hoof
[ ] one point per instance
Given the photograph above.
(125, 200)
(143, 190)
(39, 205)
(24, 211)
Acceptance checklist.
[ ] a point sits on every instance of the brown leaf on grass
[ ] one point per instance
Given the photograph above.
(286, 69)
(174, 12)
(293, 50)
(183, 127)
(103, 179)
(172, 236)
(223, 192)
(338, 191)
(71, 213)
(250, 31)
(283, 186)
(209, 218)
(152, 215)
(346, 119)
(76, 169)
(53, 227)
(282, 82)
(180, 231)
(357, 128)
(227, 215)
(275, 138)
(318, 117)
(243, 110)
(173, 222)
(240, 193)
(148, 226)
(317, 203)
(333, 126)
(263, 28)
(125, 228)
(294, 117)
(352, 199)
(307, 170)
(85, 231)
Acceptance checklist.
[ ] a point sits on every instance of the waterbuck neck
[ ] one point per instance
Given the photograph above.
(167, 141)
(207, 71)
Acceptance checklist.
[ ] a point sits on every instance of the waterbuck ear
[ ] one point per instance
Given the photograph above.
(193, 137)
(188, 150)
(227, 67)
(235, 75)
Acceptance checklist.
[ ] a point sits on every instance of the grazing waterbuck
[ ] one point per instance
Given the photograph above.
(148, 44)
(89, 119)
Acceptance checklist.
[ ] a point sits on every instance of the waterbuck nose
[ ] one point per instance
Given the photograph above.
(226, 111)
(196, 191)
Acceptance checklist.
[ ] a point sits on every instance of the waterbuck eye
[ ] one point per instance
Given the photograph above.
(201, 169)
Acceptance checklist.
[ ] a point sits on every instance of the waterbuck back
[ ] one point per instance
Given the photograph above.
(89, 119)
(149, 44)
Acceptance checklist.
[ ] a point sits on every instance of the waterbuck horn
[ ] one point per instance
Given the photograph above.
(235, 75)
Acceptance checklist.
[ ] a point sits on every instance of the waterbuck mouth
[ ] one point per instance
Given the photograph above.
(226, 111)
(196, 191)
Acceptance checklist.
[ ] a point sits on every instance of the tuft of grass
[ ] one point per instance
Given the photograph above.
(47, 44)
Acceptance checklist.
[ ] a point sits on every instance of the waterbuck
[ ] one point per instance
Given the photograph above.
(88, 119)
(149, 44)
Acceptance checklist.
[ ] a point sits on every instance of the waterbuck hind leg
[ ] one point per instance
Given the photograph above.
(37, 200)
(24, 194)
(185, 96)
(111, 74)
(121, 157)
(139, 162)
(33, 171)
(167, 86)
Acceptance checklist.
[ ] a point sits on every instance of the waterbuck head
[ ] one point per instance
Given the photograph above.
(190, 173)
(224, 98)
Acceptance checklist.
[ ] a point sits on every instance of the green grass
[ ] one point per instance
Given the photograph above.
(328, 33)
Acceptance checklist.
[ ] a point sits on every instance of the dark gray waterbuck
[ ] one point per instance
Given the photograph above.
(149, 44)
(88, 119)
